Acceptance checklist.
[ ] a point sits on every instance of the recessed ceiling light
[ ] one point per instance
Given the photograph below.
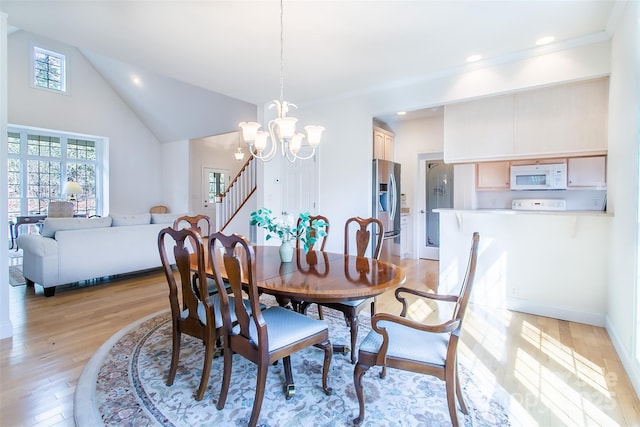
(545, 40)
(401, 113)
(136, 80)
(474, 58)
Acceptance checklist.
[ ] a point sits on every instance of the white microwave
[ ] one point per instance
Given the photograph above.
(551, 176)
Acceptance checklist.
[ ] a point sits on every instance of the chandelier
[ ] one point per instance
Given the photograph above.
(283, 128)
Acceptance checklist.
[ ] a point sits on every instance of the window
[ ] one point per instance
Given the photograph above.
(216, 184)
(40, 162)
(49, 70)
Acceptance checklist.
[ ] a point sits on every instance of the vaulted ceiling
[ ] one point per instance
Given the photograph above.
(331, 48)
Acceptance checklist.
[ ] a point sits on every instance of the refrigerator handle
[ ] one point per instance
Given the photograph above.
(392, 196)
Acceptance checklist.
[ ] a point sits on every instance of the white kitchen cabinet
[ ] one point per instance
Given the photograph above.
(493, 176)
(383, 142)
(587, 172)
(479, 130)
(563, 119)
(559, 121)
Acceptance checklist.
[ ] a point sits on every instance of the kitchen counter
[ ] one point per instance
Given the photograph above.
(525, 212)
(548, 263)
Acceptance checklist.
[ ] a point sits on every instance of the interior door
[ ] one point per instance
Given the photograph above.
(436, 192)
(300, 186)
(214, 182)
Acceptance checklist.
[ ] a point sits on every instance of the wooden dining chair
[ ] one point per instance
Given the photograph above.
(263, 337)
(321, 241)
(191, 314)
(402, 343)
(196, 223)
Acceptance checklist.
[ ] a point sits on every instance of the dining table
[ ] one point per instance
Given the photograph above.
(316, 277)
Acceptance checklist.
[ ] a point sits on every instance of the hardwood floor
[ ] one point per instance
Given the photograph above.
(553, 372)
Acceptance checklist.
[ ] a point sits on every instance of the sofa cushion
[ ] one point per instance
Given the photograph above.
(134, 219)
(51, 225)
(167, 218)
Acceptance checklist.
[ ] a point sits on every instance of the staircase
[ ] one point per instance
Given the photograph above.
(238, 192)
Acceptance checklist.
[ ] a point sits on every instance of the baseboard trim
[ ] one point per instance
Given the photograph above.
(630, 364)
(595, 319)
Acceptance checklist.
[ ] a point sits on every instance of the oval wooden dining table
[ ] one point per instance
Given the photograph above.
(318, 276)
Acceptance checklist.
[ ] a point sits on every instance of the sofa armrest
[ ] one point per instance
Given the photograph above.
(40, 259)
(38, 245)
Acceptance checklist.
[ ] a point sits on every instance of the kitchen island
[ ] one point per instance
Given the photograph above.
(548, 263)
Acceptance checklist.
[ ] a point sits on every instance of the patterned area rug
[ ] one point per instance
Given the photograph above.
(15, 275)
(124, 384)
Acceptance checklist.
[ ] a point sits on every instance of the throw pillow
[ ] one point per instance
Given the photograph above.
(51, 225)
(135, 219)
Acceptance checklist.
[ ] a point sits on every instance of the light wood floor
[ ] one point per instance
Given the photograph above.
(549, 372)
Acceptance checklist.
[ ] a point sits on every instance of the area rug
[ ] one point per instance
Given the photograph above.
(124, 384)
(15, 275)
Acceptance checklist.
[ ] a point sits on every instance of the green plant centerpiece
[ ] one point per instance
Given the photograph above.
(286, 228)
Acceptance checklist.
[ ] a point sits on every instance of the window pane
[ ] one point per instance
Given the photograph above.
(43, 180)
(80, 149)
(13, 177)
(13, 140)
(43, 146)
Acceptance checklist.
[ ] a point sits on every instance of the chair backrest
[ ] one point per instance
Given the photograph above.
(238, 261)
(467, 284)
(60, 210)
(320, 241)
(366, 226)
(196, 316)
(194, 223)
(159, 209)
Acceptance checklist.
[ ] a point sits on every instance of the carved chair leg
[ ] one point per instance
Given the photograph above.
(257, 401)
(450, 386)
(226, 376)
(463, 405)
(353, 325)
(328, 355)
(358, 373)
(209, 351)
(175, 356)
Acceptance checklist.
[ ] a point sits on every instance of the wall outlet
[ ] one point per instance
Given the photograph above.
(514, 291)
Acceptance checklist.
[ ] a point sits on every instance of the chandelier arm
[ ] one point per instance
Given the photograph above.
(313, 152)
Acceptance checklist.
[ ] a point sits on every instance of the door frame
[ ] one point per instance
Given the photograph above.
(424, 251)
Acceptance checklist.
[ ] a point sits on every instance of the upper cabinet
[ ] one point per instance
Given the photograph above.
(567, 119)
(479, 130)
(383, 141)
(564, 120)
(493, 176)
(587, 172)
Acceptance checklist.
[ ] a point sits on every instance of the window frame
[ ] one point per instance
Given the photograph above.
(34, 48)
(64, 137)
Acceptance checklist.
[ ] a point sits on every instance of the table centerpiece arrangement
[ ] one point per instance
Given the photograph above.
(288, 229)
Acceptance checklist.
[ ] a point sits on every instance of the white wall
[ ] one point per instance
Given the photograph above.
(6, 329)
(624, 113)
(90, 107)
(175, 176)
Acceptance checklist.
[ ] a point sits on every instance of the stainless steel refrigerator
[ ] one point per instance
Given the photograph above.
(386, 206)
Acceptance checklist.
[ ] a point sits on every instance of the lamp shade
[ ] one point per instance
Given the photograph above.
(71, 188)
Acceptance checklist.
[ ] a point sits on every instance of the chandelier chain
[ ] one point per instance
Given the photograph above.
(281, 52)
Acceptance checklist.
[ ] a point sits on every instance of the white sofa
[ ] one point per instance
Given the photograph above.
(73, 249)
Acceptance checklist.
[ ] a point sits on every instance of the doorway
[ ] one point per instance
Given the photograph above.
(214, 182)
(436, 191)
